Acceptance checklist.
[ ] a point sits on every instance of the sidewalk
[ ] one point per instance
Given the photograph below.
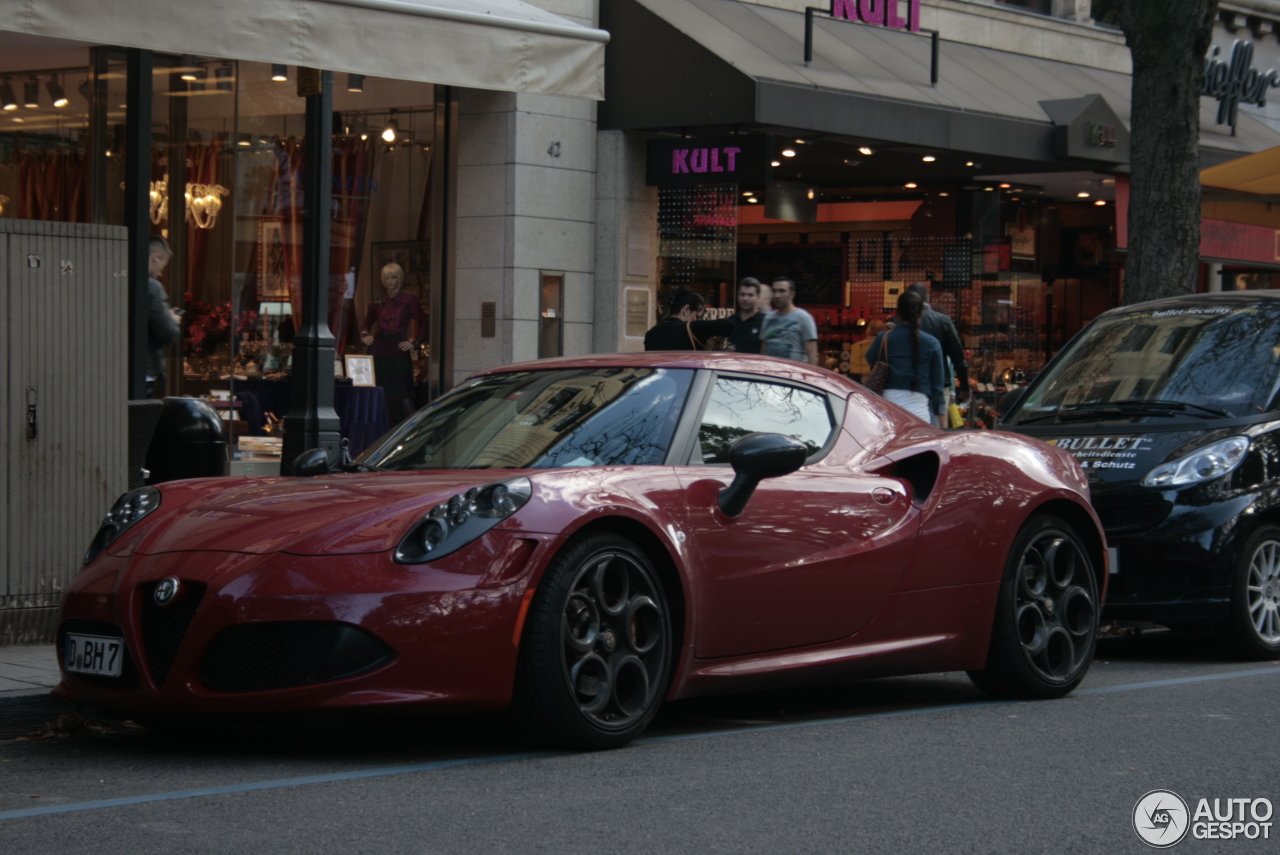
(27, 673)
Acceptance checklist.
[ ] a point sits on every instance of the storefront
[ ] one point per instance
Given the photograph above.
(214, 108)
(886, 156)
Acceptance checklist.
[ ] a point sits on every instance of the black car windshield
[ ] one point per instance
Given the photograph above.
(542, 420)
(1197, 362)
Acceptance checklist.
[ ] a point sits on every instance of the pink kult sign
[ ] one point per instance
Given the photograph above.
(880, 13)
(711, 159)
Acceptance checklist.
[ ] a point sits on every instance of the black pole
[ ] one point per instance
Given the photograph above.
(934, 38)
(137, 209)
(808, 34)
(312, 421)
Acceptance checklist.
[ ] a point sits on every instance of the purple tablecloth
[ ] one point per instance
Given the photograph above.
(362, 410)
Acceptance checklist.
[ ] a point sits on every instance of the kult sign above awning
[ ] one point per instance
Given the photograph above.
(879, 13)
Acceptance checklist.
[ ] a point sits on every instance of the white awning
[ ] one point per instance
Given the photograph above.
(505, 45)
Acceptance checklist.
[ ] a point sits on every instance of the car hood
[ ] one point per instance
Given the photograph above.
(328, 515)
(1120, 458)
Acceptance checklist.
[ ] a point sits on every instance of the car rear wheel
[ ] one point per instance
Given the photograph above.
(1046, 619)
(1253, 624)
(595, 656)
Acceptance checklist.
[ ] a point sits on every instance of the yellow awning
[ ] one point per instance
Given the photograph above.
(1257, 173)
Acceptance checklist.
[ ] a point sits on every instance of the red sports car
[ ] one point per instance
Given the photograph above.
(579, 539)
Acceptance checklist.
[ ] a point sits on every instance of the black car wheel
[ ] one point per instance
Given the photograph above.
(595, 657)
(1046, 619)
(1253, 624)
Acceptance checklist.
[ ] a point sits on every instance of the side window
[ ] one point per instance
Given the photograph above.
(739, 407)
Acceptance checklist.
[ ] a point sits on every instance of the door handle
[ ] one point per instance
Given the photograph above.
(33, 427)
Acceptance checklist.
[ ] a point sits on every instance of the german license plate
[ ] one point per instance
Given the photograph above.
(100, 655)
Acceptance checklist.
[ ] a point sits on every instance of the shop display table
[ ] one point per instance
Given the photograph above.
(362, 410)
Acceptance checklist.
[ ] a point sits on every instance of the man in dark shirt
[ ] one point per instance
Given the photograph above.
(943, 329)
(746, 331)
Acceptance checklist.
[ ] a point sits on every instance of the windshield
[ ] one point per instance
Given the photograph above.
(1201, 362)
(542, 420)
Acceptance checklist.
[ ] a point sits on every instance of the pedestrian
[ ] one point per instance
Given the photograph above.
(749, 317)
(163, 321)
(681, 329)
(391, 345)
(943, 329)
(915, 363)
(789, 332)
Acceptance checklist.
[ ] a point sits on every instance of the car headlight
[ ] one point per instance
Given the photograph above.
(451, 525)
(1203, 464)
(127, 510)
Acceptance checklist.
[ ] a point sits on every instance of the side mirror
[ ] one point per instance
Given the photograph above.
(1009, 400)
(755, 457)
(310, 463)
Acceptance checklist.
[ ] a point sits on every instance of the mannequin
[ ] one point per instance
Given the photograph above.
(385, 332)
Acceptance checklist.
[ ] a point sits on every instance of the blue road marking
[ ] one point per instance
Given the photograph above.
(386, 771)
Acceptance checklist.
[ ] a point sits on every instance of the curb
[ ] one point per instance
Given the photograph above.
(22, 714)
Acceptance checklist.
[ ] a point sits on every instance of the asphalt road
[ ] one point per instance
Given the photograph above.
(922, 764)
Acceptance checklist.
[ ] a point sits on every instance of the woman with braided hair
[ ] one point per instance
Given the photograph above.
(915, 363)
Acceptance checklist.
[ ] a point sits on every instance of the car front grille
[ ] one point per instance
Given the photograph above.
(261, 656)
(164, 627)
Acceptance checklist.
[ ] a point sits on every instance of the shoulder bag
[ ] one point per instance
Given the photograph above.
(879, 376)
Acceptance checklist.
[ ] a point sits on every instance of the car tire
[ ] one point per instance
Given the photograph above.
(1253, 622)
(595, 656)
(1046, 623)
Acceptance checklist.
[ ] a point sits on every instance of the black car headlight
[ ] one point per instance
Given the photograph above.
(1203, 464)
(451, 525)
(127, 510)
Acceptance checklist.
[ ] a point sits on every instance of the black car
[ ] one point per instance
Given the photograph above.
(1172, 409)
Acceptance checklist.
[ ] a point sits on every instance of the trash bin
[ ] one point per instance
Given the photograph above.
(189, 442)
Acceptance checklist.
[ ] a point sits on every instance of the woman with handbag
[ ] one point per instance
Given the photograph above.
(681, 329)
(907, 364)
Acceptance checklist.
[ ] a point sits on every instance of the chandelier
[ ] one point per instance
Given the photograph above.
(203, 203)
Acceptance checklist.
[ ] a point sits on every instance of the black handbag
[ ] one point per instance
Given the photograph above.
(879, 376)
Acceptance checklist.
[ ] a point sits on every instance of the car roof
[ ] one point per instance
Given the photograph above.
(766, 366)
(1188, 301)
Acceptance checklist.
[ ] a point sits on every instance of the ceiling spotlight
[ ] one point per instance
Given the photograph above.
(1100, 202)
(1015, 198)
(944, 193)
(279, 72)
(748, 193)
(911, 185)
(988, 189)
(187, 65)
(56, 95)
(928, 158)
(31, 93)
(1005, 186)
(753, 200)
(788, 152)
(244, 140)
(865, 150)
(968, 163)
(800, 142)
(6, 95)
(355, 82)
(776, 163)
(1083, 194)
(18, 120)
(392, 130)
(223, 74)
(811, 194)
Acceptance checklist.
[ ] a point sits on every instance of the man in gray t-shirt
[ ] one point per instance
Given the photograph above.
(790, 332)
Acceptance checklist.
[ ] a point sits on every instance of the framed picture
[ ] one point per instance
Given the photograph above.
(360, 370)
(273, 267)
(339, 369)
(414, 258)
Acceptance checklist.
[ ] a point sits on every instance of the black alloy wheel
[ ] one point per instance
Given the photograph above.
(1046, 620)
(595, 657)
(1253, 623)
